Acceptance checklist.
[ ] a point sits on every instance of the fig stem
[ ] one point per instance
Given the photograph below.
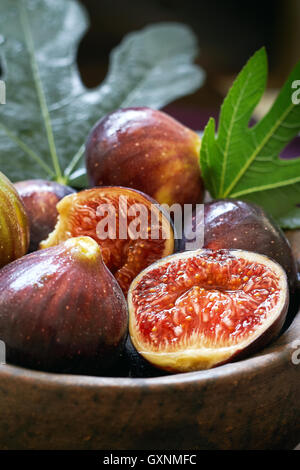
(39, 89)
(61, 180)
(84, 248)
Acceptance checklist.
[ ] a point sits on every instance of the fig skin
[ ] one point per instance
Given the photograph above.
(235, 224)
(61, 310)
(147, 150)
(40, 198)
(193, 356)
(14, 225)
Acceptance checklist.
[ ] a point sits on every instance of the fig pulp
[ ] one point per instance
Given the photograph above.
(40, 198)
(199, 309)
(230, 223)
(146, 149)
(62, 310)
(14, 227)
(129, 226)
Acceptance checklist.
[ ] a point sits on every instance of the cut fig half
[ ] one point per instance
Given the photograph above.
(130, 227)
(199, 309)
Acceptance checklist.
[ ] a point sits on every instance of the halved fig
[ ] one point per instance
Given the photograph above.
(199, 309)
(129, 226)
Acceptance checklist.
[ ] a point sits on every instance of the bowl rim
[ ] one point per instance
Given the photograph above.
(274, 354)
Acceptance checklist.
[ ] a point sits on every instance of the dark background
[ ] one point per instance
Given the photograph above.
(228, 33)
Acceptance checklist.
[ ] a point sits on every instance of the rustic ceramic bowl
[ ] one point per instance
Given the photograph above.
(251, 404)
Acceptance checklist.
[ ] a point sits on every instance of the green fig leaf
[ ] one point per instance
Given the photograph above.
(243, 161)
(49, 112)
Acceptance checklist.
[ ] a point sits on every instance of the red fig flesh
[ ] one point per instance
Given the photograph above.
(198, 309)
(62, 310)
(146, 149)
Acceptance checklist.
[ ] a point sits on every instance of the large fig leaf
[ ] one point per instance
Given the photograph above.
(49, 112)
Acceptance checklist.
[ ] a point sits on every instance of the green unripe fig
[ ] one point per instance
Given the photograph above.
(14, 227)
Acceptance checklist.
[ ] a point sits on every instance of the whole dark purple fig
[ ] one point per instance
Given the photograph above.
(230, 223)
(40, 198)
(147, 150)
(62, 310)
